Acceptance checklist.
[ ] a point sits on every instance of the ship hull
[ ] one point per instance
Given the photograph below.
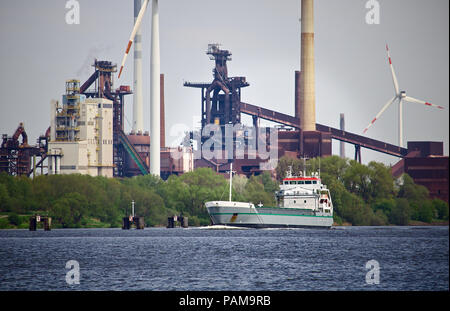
(267, 217)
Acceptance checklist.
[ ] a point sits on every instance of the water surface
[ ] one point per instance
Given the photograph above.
(410, 258)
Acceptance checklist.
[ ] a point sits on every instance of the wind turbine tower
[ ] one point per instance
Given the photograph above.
(401, 97)
(138, 118)
(155, 72)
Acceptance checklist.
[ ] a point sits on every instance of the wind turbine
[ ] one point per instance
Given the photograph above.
(401, 97)
(155, 68)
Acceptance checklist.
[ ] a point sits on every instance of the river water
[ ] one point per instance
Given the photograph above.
(199, 259)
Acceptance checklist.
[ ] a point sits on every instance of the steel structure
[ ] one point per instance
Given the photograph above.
(102, 78)
(19, 158)
(357, 140)
(223, 106)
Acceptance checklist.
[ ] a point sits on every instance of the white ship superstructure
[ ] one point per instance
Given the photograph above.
(303, 201)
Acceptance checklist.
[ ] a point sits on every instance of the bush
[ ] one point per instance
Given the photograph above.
(400, 213)
(441, 209)
(14, 219)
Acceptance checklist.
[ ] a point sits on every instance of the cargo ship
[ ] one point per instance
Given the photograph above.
(302, 202)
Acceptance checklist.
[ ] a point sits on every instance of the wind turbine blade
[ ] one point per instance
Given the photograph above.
(413, 100)
(380, 113)
(133, 34)
(394, 77)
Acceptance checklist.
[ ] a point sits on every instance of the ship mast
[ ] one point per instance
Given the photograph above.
(231, 179)
(304, 167)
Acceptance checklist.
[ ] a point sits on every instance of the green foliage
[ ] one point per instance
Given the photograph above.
(362, 195)
(400, 213)
(256, 194)
(82, 200)
(4, 198)
(441, 208)
(14, 219)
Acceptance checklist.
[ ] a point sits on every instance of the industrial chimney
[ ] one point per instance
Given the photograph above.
(298, 106)
(138, 118)
(342, 144)
(155, 71)
(307, 90)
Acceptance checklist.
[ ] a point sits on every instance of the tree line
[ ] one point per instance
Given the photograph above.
(85, 201)
(362, 195)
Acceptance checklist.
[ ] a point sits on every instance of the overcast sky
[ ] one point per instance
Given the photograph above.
(40, 51)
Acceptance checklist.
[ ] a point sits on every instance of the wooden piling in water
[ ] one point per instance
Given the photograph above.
(33, 223)
(47, 223)
(172, 221)
(139, 221)
(37, 218)
(185, 222)
(126, 223)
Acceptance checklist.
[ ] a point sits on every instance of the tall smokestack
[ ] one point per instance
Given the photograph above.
(138, 118)
(163, 117)
(297, 94)
(308, 89)
(155, 71)
(342, 144)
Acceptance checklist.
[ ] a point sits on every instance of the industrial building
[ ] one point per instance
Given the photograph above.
(87, 131)
(300, 135)
(427, 166)
(81, 139)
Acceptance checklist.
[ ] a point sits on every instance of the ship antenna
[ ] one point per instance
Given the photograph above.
(289, 172)
(319, 167)
(231, 179)
(304, 166)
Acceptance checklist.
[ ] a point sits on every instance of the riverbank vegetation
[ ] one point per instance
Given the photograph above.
(362, 195)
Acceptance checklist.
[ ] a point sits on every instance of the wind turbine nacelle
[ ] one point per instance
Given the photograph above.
(402, 94)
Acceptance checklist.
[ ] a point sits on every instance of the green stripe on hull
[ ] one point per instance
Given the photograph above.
(268, 214)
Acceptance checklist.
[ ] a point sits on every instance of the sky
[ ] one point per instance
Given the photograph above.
(39, 51)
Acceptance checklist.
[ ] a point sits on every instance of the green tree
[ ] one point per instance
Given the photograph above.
(411, 191)
(400, 213)
(385, 206)
(4, 198)
(256, 194)
(426, 212)
(357, 180)
(381, 182)
(441, 208)
(14, 219)
(69, 210)
(270, 185)
(239, 183)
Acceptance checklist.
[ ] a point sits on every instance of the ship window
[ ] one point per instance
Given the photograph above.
(308, 182)
(305, 201)
(301, 182)
(315, 182)
(295, 202)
